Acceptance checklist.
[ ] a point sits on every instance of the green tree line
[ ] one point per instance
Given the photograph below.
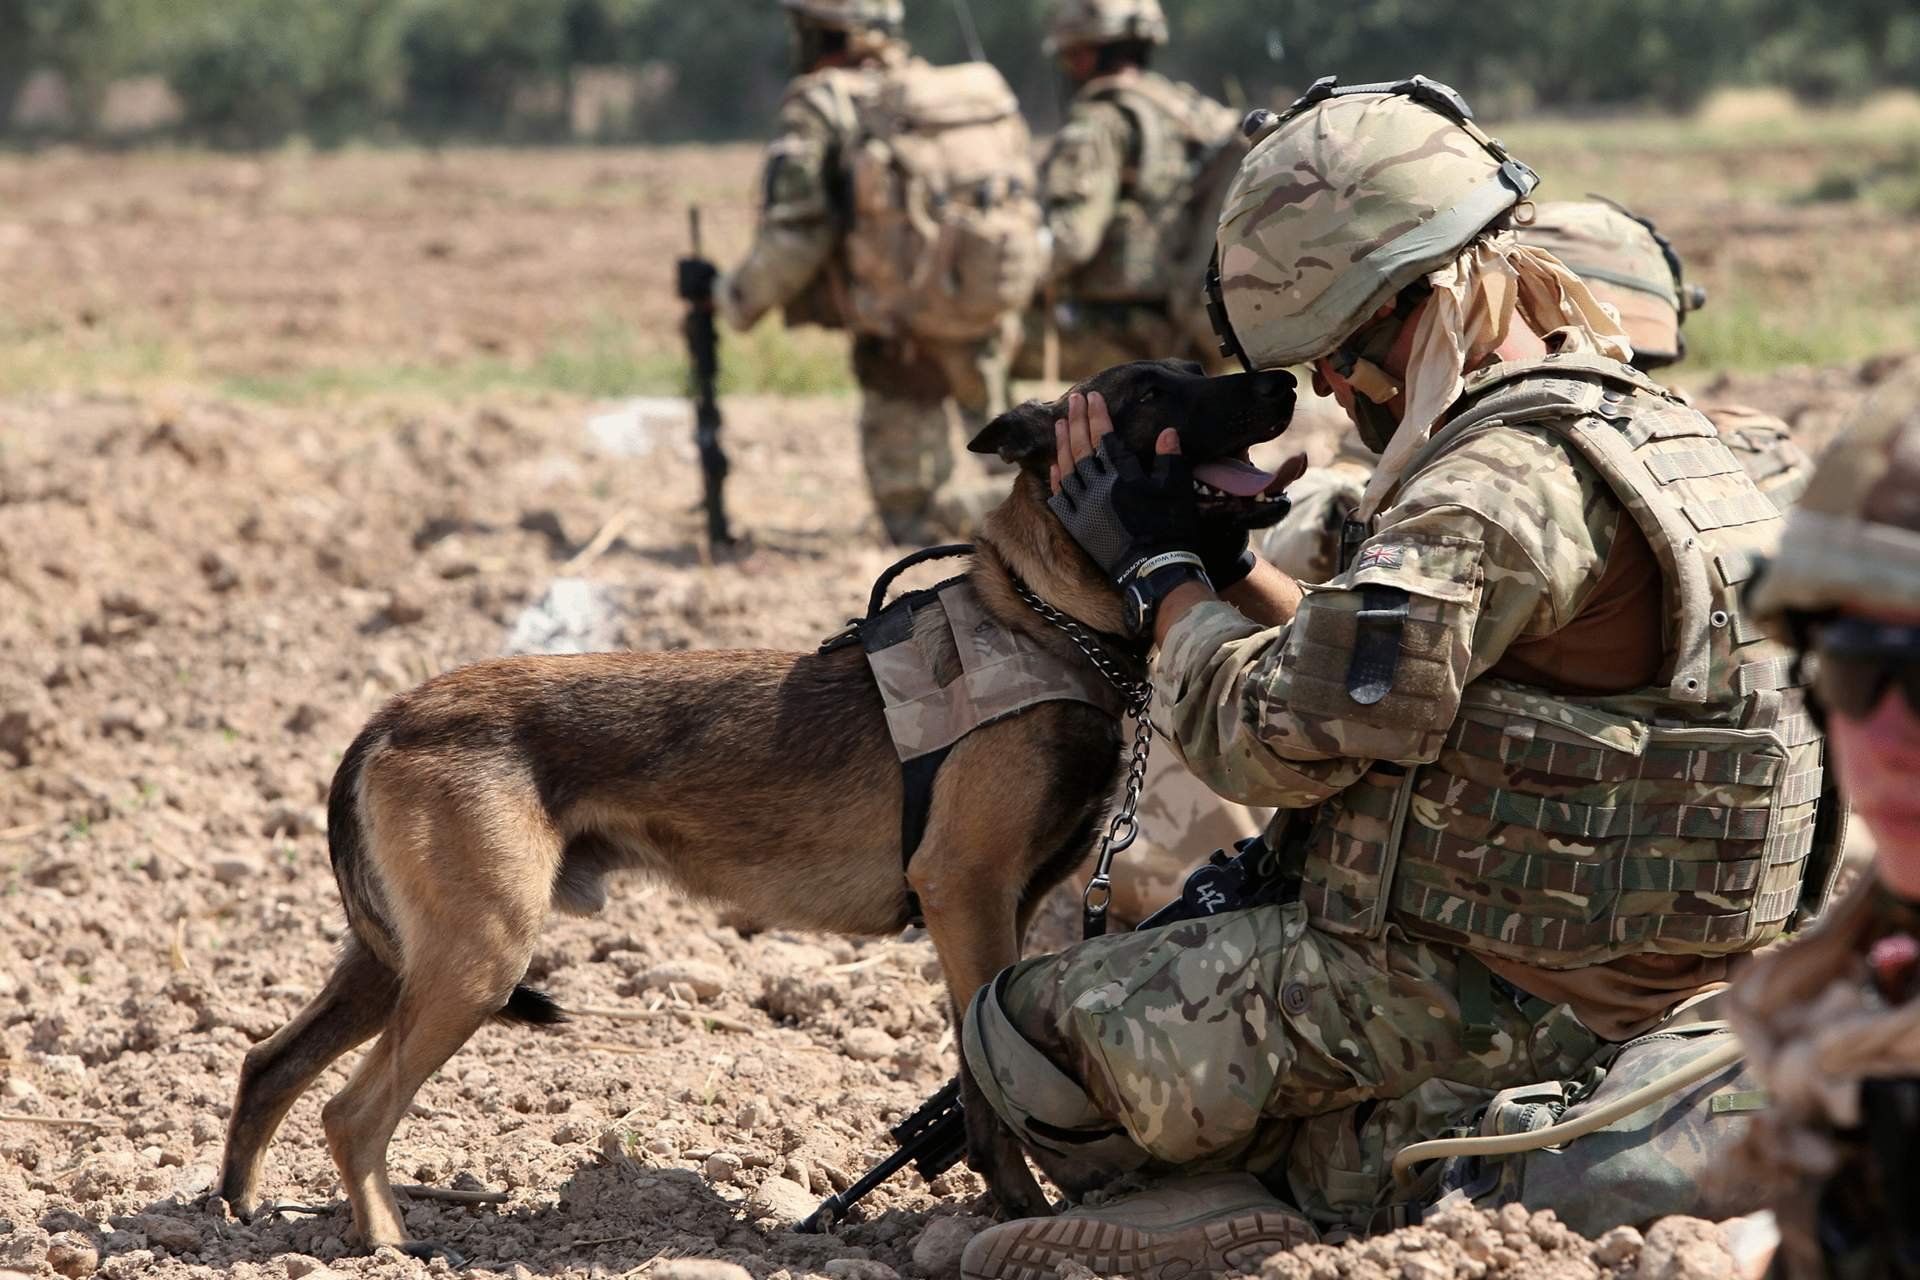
(255, 71)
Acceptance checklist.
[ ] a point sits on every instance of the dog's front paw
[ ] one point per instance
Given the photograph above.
(428, 1250)
(997, 1157)
(241, 1205)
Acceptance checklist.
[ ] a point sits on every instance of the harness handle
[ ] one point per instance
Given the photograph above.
(878, 600)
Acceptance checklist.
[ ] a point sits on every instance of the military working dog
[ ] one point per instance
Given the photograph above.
(473, 806)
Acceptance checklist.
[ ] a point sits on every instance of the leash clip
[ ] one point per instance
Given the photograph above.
(1098, 897)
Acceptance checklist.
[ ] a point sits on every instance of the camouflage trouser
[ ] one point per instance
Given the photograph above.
(910, 395)
(1253, 1041)
(1098, 336)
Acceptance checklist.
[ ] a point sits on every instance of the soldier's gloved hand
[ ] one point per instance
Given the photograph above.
(1138, 524)
(1226, 553)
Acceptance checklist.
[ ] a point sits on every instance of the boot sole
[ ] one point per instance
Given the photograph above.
(1236, 1243)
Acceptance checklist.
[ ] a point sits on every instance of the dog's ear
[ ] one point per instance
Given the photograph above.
(1019, 435)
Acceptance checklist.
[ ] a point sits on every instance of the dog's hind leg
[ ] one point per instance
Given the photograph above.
(466, 940)
(353, 1005)
(438, 1011)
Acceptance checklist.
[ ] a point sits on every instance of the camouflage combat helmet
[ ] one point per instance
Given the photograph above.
(849, 15)
(1348, 196)
(1078, 22)
(1854, 537)
(1629, 266)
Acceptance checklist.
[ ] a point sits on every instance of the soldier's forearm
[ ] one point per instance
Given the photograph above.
(782, 262)
(1182, 598)
(1217, 721)
(1267, 596)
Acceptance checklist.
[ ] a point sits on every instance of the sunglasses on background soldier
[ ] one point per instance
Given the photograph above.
(1859, 659)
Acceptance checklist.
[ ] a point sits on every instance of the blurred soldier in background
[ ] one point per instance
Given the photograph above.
(1832, 1022)
(899, 200)
(1634, 269)
(1132, 188)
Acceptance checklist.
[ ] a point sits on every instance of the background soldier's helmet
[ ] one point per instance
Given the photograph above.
(1629, 266)
(1853, 541)
(1080, 22)
(1347, 197)
(849, 15)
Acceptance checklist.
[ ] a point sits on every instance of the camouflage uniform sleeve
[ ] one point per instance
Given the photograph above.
(798, 225)
(1080, 183)
(1502, 538)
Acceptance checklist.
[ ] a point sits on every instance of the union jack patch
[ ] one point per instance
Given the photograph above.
(1381, 558)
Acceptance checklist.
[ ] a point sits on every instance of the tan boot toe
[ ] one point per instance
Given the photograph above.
(1211, 1225)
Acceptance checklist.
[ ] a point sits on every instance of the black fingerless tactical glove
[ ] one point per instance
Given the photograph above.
(1140, 526)
(1226, 553)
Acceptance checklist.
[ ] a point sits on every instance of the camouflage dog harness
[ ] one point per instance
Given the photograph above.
(945, 668)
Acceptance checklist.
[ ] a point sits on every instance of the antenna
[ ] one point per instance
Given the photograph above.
(969, 32)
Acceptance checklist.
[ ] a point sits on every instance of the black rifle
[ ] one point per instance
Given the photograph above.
(934, 1138)
(697, 278)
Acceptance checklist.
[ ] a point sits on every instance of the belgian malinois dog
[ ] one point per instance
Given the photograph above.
(470, 808)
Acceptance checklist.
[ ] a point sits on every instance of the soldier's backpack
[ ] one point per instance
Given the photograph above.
(944, 237)
(1669, 1157)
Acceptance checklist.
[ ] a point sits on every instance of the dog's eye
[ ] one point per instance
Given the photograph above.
(1149, 394)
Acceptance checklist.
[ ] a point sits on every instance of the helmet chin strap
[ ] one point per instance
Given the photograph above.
(1358, 361)
(1373, 390)
(1375, 383)
(1375, 423)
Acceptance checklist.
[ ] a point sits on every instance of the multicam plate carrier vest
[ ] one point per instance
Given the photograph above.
(1778, 467)
(1559, 830)
(1170, 196)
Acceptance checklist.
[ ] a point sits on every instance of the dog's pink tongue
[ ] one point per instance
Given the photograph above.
(1233, 475)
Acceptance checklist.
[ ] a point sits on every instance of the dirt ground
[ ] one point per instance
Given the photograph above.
(262, 268)
(201, 599)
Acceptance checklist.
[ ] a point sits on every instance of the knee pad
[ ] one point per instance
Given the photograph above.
(1047, 1109)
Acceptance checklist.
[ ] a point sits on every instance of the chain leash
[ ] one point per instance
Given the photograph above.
(1137, 696)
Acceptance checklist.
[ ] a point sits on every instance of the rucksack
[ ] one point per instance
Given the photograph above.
(944, 236)
(1669, 1157)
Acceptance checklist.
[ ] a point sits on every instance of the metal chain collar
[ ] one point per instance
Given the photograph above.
(1124, 828)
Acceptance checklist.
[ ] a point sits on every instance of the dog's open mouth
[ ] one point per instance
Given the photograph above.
(1225, 479)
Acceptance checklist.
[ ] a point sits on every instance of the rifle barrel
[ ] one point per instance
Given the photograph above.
(834, 1207)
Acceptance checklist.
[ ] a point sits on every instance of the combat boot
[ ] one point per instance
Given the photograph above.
(1187, 1227)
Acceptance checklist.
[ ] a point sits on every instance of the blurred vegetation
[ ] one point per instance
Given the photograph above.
(255, 71)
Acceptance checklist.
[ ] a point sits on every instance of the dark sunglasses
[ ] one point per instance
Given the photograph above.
(1859, 659)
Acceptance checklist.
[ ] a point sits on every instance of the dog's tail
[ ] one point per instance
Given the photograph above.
(532, 1007)
(360, 892)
